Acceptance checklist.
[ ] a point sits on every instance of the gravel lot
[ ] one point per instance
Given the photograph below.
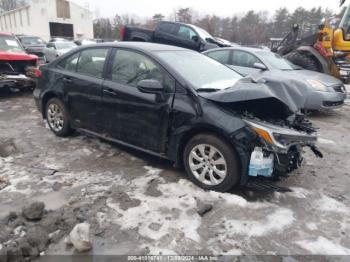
(137, 204)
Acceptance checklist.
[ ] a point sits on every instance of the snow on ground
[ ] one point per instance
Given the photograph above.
(329, 204)
(277, 221)
(323, 246)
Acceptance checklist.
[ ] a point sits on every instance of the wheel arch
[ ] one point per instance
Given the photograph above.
(311, 51)
(189, 134)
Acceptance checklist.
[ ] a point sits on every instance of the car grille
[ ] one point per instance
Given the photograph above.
(18, 66)
(332, 104)
(339, 88)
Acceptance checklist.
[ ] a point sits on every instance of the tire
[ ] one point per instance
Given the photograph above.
(203, 143)
(58, 118)
(303, 60)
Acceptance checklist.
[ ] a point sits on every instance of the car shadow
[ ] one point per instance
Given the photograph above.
(13, 92)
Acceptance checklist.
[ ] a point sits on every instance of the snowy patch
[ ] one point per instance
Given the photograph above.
(152, 171)
(326, 141)
(323, 246)
(311, 226)
(326, 203)
(274, 222)
(298, 192)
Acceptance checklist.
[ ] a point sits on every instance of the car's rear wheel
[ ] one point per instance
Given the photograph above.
(211, 163)
(57, 117)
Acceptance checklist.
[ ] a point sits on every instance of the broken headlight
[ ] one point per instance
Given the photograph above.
(281, 137)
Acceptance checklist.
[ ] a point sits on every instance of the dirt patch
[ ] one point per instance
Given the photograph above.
(7, 148)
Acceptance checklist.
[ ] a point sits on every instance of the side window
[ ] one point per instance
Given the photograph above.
(186, 33)
(221, 56)
(51, 45)
(129, 68)
(91, 62)
(167, 28)
(70, 63)
(241, 58)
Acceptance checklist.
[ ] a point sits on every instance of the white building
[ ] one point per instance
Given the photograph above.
(49, 18)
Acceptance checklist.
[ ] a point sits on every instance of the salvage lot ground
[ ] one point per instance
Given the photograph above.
(137, 204)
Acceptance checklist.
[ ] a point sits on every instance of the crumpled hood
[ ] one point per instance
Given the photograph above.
(307, 74)
(249, 89)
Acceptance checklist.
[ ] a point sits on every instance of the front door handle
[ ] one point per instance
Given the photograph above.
(67, 80)
(109, 91)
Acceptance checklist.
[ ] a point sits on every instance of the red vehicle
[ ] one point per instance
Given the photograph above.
(17, 68)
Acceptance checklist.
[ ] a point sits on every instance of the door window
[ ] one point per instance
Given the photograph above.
(222, 56)
(167, 28)
(129, 68)
(186, 33)
(70, 63)
(244, 59)
(91, 62)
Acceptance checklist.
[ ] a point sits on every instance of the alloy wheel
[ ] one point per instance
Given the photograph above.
(55, 117)
(208, 164)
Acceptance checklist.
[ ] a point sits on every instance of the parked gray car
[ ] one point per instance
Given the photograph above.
(322, 91)
(56, 49)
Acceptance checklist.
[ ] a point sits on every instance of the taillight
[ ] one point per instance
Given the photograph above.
(37, 72)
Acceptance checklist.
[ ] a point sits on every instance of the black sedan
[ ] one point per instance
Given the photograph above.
(179, 105)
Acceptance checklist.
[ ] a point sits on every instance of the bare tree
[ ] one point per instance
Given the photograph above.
(7, 5)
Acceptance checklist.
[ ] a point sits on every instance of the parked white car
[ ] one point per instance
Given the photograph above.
(56, 49)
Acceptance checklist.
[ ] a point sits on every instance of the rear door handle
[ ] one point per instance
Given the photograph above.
(67, 80)
(110, 92)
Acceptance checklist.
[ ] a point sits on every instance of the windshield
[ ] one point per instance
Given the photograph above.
(65, 45)
(32, 41)
(277, 61)
(202, 33)
(201, 71)
(345, 22)
(9, 43)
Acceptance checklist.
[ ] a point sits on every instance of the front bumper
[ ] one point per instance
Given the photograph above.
(19, 81)
(281, 143)
(319, 100)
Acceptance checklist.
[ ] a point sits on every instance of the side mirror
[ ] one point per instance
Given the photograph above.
(195, 38)
(150, 86)
(260, 66)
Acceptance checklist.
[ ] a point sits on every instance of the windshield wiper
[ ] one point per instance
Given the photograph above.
(208, 89)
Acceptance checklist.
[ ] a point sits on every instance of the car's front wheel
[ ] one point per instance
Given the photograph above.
(57, 117)
(211, 163)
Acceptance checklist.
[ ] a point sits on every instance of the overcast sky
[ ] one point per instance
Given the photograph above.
(144, 8)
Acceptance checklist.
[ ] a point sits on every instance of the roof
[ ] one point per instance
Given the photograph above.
(143, 46)
(5, 33)
(243, 48)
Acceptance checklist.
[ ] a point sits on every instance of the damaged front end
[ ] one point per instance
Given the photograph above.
(283, 143)
(272, 112)
(16, 76)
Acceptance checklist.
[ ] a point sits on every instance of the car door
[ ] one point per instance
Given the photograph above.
(82, 75)
(165, 33)
(137, 118)
(243, 62)
(187, 37)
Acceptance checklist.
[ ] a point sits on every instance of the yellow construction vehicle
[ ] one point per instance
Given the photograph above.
(327, 51)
